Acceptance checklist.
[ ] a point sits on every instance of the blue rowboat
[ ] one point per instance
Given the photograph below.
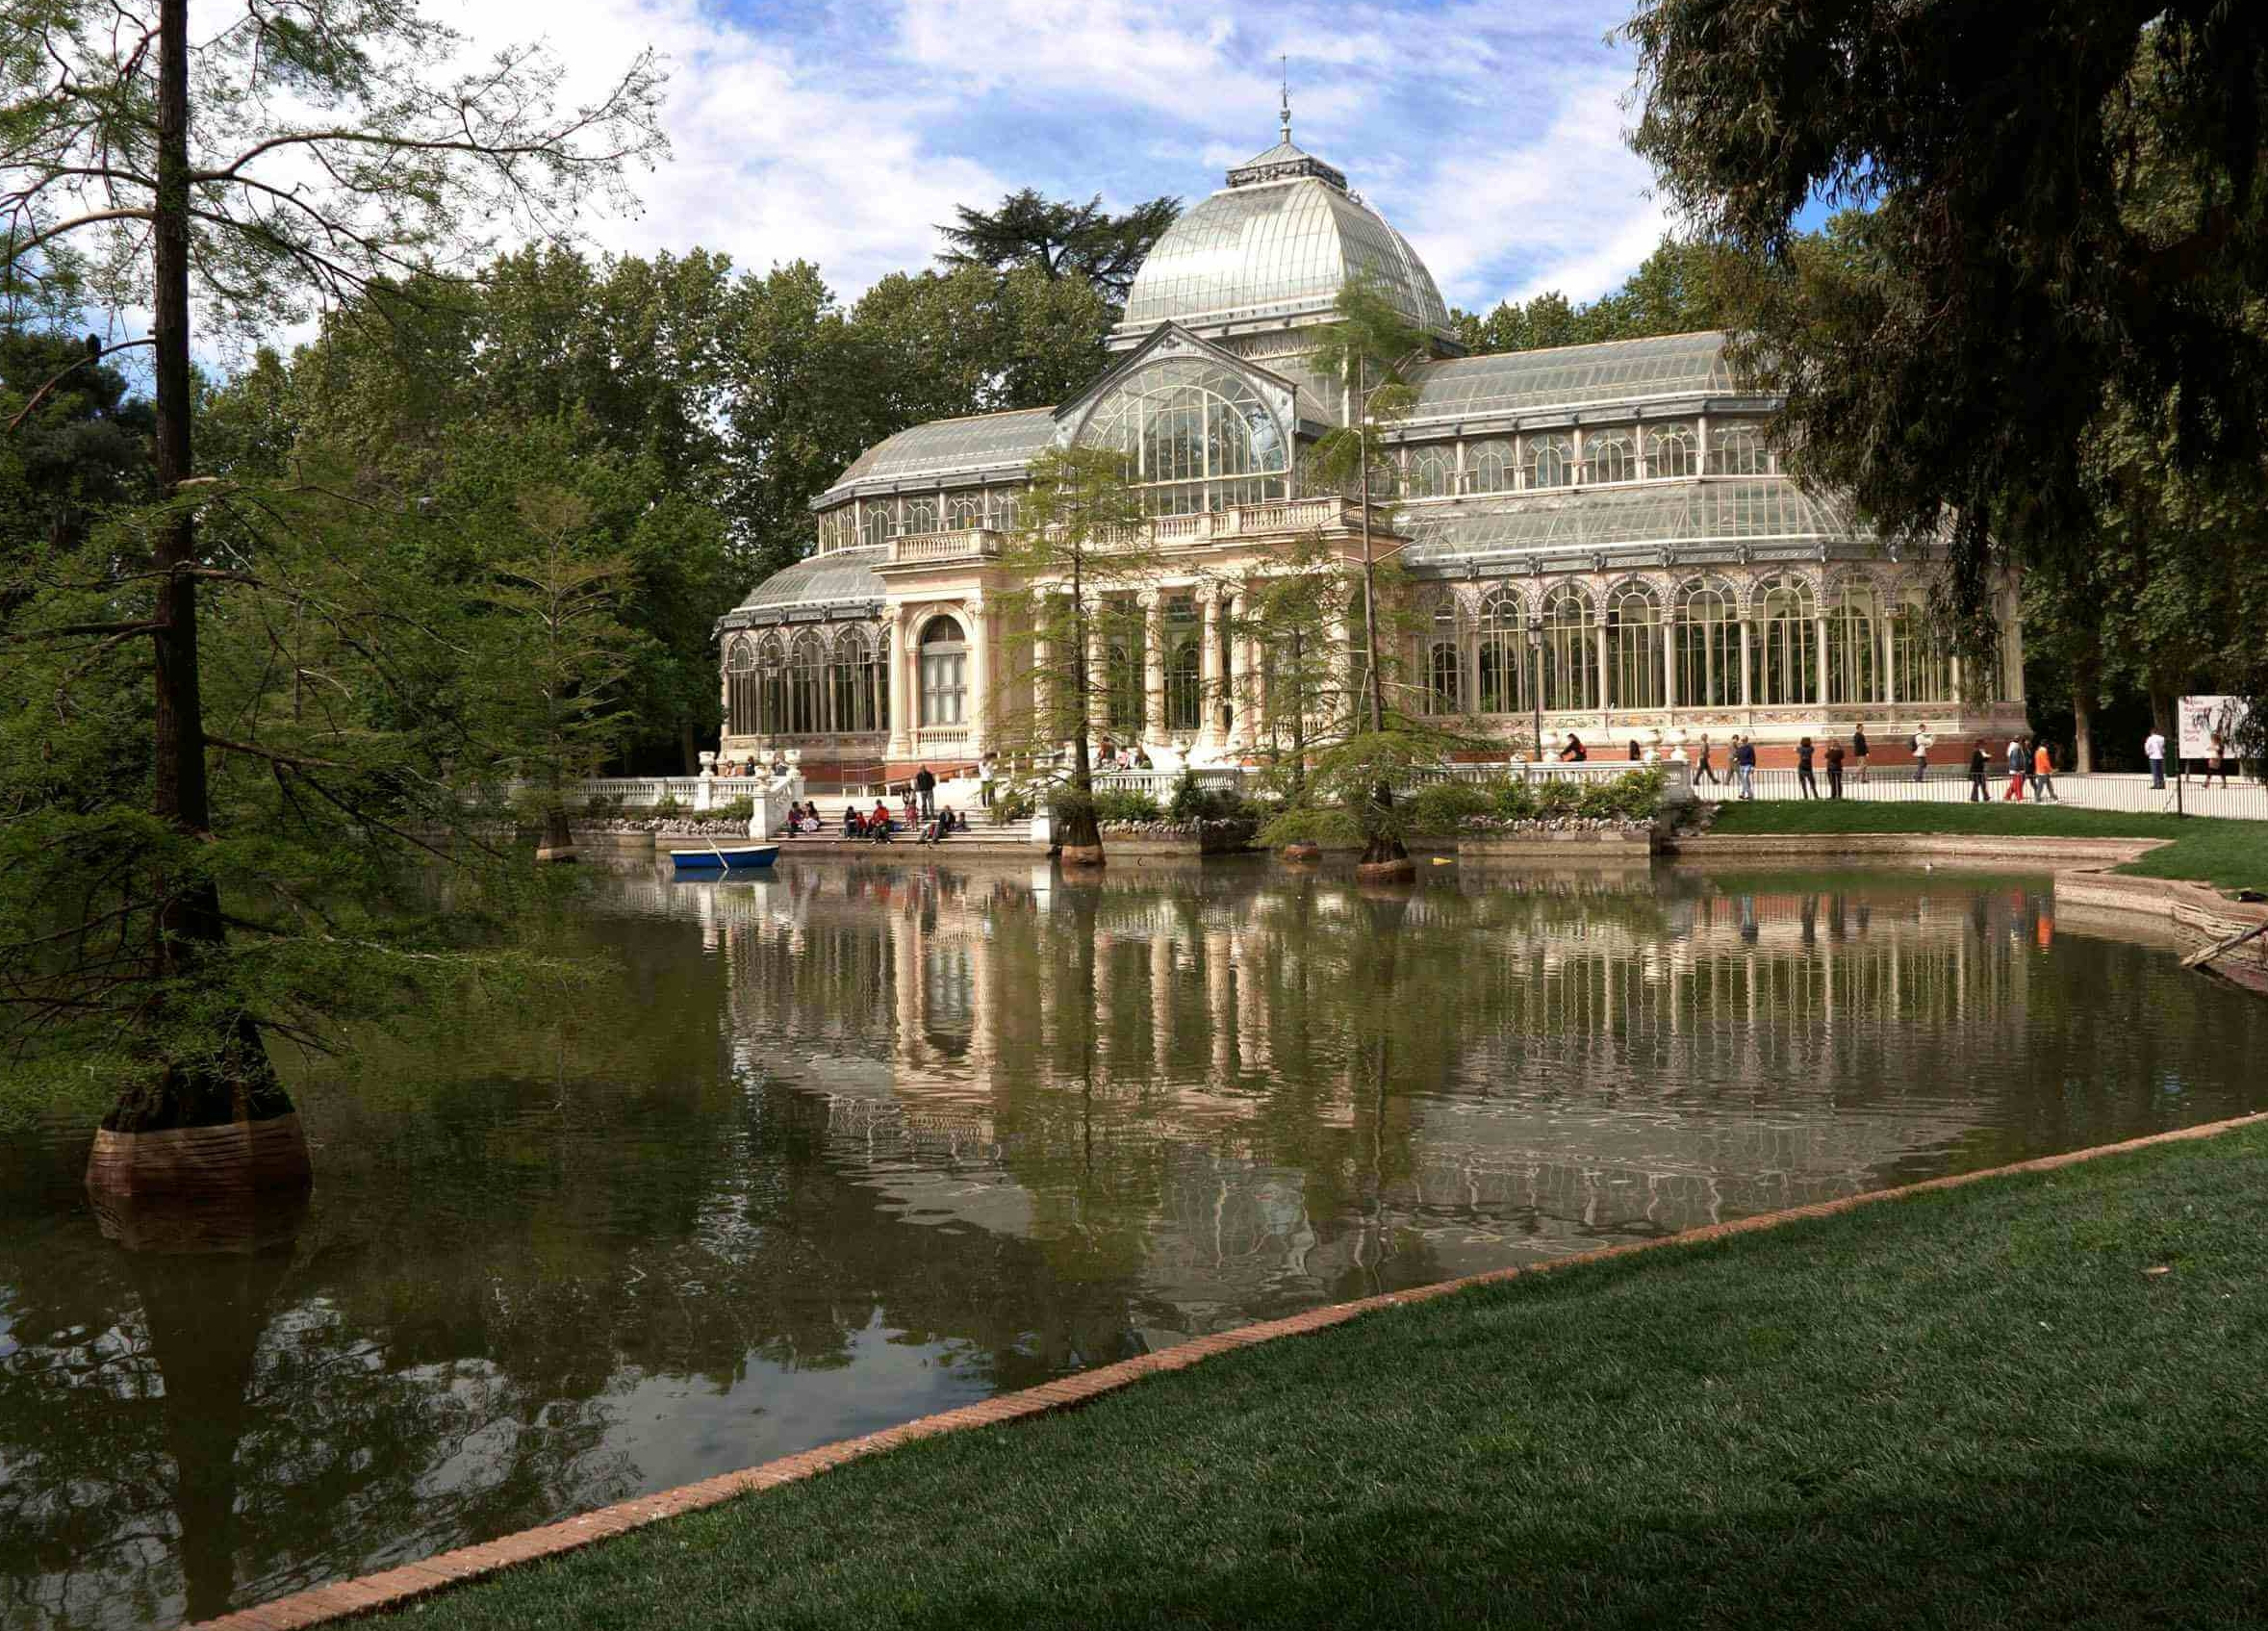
(738, 858)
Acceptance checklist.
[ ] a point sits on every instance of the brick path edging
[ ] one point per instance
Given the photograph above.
(396, 1587)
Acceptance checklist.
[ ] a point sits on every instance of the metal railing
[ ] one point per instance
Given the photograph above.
(1949, 785)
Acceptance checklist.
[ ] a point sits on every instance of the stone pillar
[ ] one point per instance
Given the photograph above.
(1341, 658)
(1819, 653)
(1152, 606)
(1600, 641)
(1212, 684)
(980, 716)
(1669, 657)
(1746, 701)
(1098, 688)
(903, 700)
(1890, 649)
(1043, 685)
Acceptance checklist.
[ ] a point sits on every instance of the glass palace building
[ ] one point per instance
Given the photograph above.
(1600, 532)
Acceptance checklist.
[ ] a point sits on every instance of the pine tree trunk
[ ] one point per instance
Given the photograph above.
(238, 1084)
(2083, 713)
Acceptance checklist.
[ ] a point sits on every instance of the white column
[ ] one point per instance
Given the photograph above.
(1152, 606)
(1098, 691)
(1746, 701)
(1603, 692)
(1341, 658)
(1042, 682)
(1212, 684)
(903, 700)
(979, 673)
(1819, 652)
(1669, 657)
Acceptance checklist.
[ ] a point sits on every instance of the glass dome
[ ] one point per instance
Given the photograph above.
(1278, 242)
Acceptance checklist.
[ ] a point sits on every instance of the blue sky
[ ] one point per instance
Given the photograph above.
(841, 133)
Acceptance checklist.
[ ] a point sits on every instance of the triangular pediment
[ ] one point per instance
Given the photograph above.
(1171, 341)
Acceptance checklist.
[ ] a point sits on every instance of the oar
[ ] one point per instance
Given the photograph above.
(2197, 960)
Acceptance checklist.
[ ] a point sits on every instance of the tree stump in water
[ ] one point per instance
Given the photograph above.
(216, 1164)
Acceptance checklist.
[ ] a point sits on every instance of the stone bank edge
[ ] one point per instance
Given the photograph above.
(398, 1587)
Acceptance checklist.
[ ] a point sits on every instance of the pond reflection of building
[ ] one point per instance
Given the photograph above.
(1714, 1023)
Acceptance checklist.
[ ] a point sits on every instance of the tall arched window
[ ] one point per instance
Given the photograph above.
(1785, 643)
(1634, 678)
(874, 528)
(1854, 646)
(945, 673)
(1737, 449)
(1609, 455)
(1921, 658)
(1570, 651)
(740, 687)
(1488, 466)
(1708, 647)
(1185, 649)
(842, 682)
(1003, 504)
(1431, 473)
(1670, 451)
(806, 669)
(921, 516)
(964, 511)
(1196, 434)
(771, 685)
(873, 685)
(1444, 664)
(1503, 655)
(1551, 461)
(1122, 676)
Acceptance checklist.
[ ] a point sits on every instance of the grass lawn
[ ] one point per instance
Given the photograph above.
(2229, 854)
(1976, 1408)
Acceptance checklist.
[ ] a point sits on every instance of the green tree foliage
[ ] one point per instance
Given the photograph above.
(2070, 201)
(1681, 288)
(178, 889)
(1061, 240)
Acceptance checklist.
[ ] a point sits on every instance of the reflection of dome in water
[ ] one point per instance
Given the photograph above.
(1275, 245)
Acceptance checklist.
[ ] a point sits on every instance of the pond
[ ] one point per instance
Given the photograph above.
(861, 1142)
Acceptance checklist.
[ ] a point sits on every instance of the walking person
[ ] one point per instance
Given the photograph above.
(1834, 769)
(1978, 792)
(1921, 744)
(1858, 750)
(925, 785)
(1703, 771)
(2019, 764)
(1744, 760)
(2154, 749)
(1804, 777)
(2042, 776)
(984, 781)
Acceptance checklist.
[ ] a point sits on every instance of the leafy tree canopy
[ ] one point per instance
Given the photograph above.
(1681, 288)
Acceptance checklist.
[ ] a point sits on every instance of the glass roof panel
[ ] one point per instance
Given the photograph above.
(1763, 509)
(945, 446)
(1633, 371)
(838, 577)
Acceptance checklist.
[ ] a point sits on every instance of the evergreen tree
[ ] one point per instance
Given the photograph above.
(1061, 240)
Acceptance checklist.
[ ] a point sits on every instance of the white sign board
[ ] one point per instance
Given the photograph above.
(2204, 718)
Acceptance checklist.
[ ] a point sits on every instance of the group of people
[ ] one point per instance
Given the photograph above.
(2029, 763)
(1740, 761)
(1122, 755)
(879, 827)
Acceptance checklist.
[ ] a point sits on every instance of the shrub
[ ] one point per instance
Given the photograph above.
(1310, 824)
(733, 809)
(1125, 806)
(1015, 802)
(602, 806)
(1192, 803)
(1443, 806)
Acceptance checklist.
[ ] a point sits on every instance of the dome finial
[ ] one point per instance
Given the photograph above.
(1284, 108)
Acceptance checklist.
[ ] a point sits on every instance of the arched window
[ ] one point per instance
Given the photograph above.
(1488, 466)
(806, 669)
(1185, 649)
(921, 516)
(1503, 655)
(1737, 449)
(1444, 663)
(1122, 677)
(771, 686)
(875, 525)
(1551, 461)
(1635, 676)
(1708, 647)
(1921, 668)
(1197, 435)
(1785, 645)
(1670, 451)
(1854, 646)
(873, 684)
(741, 687)
(945, 673)
(1609, 455)
(1570, 651)
(964, 511)
(1003, 505)
(1431, 473)
(843, 673)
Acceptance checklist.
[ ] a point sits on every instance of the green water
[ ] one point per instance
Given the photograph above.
(862, 1142)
